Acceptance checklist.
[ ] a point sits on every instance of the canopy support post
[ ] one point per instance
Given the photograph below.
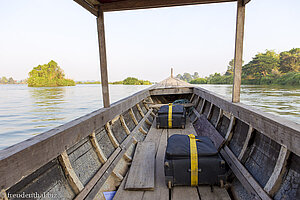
(238, 54)
(103, 61)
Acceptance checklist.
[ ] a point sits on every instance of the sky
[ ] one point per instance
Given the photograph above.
(141, 43)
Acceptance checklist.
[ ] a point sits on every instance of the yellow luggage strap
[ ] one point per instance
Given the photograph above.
(170, 115)
(194, 160)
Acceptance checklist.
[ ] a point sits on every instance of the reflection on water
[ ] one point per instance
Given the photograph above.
(25, 112)
(279, 100)
(48, 103)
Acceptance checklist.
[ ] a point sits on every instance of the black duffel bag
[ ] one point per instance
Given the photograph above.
(171, 116)
(180, 164)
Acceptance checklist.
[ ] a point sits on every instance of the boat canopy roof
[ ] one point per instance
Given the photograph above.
(118, 5)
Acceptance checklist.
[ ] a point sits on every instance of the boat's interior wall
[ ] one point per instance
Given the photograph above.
(261, 157)
(49, 178)
(97, 162)
(263, 168)
(239, 135)
(290, 186)
(163, 99)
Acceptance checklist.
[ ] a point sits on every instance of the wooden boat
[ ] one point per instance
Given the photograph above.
(92, 154)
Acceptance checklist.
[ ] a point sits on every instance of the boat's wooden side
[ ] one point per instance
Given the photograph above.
(262, 149)
(84, 146)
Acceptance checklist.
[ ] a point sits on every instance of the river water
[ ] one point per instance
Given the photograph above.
(25, 112)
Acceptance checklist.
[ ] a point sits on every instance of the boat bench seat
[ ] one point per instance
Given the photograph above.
(161, 191)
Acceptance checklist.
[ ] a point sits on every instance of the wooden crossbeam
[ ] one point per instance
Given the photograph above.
(246, 142)
(202, 106)
(124, 125)
(139, 4)
(230, 127)
(276, 177)
(111, 136)
(97, 148)
(72, 178)
(88, 6)
(140, 110)
(219, 117)
(209, 114)
(133, 116)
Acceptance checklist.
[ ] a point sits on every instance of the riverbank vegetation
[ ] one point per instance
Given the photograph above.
(48, 75)
(126, 81)
(88, 82)
(132, 81)
(264, 69)
(10, 80)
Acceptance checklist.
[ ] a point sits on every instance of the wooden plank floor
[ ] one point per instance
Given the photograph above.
(141, 175)
(159, 137)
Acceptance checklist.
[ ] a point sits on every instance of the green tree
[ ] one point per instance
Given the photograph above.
(290, 61)
(187, 77)
(134, 81)
(199, 81)
(230, 67)
(196, 75)
(4, 80)
(261, 65)
(11, 80)
(48, 75)
(179, 76)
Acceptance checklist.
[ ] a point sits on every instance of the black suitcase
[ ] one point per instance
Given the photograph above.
(171, 116)
(211, 167)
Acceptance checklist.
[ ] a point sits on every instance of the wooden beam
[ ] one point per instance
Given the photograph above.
(111, 136)
(103, 61)
(219, 117)
(138, 4)
(133, 117)
(230, 127)
(124, 125)
(238, 55)
(117, 175)
(140, 110)
(127, 157)
(276, 178)
(143, 131)
(72, 178)
(88, 7)
(246, 142)
(192, 97)
(146, 105)
(202, 106)
(97, 148)
(209, 114)
(148, 122)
